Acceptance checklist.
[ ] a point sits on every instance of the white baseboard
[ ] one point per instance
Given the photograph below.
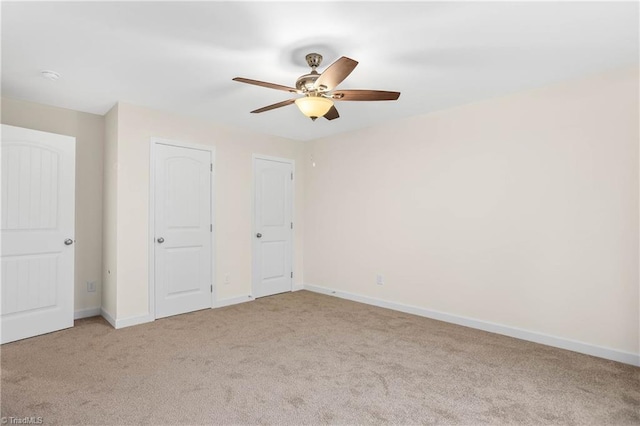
(518, 333)
(86, 313)
(107, 316)
(125, 322)
(298, 287)
(139, 319)
(232, 301)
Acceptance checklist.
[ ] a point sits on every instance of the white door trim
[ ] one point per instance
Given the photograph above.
(255, 157)
(152, 214)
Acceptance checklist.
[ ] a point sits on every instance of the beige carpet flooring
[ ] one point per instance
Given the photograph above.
(305, 358)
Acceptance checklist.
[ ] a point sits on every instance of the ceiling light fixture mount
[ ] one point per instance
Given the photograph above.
(50, 75)
(313, 60)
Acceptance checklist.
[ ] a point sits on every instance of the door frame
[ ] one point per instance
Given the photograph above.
(152, 216)
(292, 162)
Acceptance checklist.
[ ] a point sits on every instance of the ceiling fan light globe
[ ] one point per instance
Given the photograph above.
(314, 106)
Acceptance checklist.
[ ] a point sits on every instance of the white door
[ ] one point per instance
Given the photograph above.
(38, 210)
(273, 226)
(183, 230)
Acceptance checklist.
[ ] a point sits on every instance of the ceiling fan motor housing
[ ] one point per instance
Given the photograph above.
(305, 83)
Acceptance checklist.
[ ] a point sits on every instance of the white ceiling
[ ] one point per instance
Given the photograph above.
(181, 57)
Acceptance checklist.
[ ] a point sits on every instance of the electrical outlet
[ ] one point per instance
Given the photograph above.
(91, 286)
(379, 279)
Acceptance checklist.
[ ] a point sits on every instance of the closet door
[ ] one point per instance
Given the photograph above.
(183, 229)
(273, 225)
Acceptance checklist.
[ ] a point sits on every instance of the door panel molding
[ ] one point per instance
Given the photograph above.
(153, 143)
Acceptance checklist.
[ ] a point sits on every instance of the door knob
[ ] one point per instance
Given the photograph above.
(259, 235)
(68, 242)
(160, 240)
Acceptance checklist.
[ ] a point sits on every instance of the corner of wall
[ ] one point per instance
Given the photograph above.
(109, 224)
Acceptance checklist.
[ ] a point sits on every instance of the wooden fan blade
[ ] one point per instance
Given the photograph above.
(274, 106)
(365, 95)
(332, 114)
(265, 84)
(335, 73)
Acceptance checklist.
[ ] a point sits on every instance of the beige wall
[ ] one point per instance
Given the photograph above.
(88, 129)
(233, 176)
(521, 211)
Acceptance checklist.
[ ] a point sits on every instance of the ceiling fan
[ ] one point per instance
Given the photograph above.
(319, 90)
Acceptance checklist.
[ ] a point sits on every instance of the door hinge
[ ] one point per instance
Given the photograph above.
(291, 175)
(211, 227)
(291, 225)
(292, 275)
(211, 168)
(211, 288)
